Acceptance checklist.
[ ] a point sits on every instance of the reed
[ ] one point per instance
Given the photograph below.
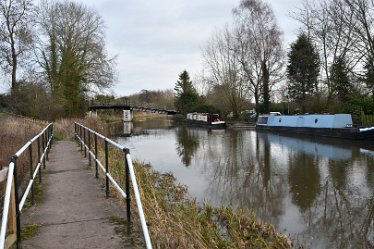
(14, 133)
(177, 222)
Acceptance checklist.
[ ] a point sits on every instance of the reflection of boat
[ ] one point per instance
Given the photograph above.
(206, 120)
(313, 147)
(328, 125)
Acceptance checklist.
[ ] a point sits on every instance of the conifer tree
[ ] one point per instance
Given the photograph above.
(302, 69)
(186, 96)
(339, 77)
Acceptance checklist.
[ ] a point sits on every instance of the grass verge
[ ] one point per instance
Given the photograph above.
(177, 222)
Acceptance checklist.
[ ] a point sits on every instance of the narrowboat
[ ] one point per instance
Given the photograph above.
(327, 125)
(206, 120)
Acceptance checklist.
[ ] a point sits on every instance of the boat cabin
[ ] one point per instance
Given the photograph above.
(310, 121)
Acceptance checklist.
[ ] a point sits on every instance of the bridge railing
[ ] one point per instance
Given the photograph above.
(88, 139)
(29, 159)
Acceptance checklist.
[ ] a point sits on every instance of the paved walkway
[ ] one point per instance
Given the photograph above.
(74, 212)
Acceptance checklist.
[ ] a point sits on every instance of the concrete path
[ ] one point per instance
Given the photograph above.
(74, 212)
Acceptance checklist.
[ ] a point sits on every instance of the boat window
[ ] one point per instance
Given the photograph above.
(316, 120)
(262, 120)
(280, 120)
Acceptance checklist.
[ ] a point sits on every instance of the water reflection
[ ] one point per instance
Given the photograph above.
(188, 143)
(318, 190)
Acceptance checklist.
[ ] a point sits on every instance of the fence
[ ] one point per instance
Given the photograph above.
(89, 143)
(25, 164)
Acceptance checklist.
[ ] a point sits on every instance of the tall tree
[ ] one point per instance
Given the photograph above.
(330, 25)
(369, 75)
(258, 48)
(340, 79)
(72, 53)
(16, 37)
(302, 69)
(184, 84)
(186, 96)
(224, 70)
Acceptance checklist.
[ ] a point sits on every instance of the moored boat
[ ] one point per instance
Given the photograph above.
(328, 125)
(206, 120)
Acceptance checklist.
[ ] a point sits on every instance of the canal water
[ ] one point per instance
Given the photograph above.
(318, 191)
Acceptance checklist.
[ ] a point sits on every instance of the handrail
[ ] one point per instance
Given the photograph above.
(8, 190)
(44, 141)
(85, 142)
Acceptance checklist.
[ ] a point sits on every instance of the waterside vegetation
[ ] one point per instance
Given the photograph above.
(176, 221)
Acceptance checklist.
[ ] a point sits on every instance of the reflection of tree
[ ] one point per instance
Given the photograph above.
(336, 206)
(338, 173)
(245, 178)
(369, 162)
(187, 145)
(304, 180)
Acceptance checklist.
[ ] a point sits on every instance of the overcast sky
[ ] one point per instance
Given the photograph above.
(155, 40)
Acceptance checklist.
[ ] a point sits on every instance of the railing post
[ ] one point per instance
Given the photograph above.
(46, 144)
(96, 165)
(106, 169)
(80, 136)
(84, 139)
(43, 148)
(31, 174)
(127, 186)
(51, 135)
(18, 213)
(89, 147)
(39, 155)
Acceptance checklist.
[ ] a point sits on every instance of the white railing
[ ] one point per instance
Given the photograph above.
(44, 140)
(85, 136)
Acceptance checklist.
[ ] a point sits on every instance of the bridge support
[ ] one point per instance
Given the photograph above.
(127, 115)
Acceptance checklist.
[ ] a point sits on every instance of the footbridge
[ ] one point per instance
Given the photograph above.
(132, 107)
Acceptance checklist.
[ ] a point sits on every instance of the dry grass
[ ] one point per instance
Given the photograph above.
(64, 128)
(14, 133)
(142, 116)
(176, 222)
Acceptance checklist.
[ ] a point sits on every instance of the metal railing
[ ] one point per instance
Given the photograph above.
(43, 141)
(89, 143)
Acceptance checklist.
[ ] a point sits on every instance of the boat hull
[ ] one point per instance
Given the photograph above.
(213, 125)
(343, 133)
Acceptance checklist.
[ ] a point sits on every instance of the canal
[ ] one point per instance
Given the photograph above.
(318, 191)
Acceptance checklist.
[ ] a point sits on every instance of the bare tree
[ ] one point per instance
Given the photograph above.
(258, 48)
(330, 25)
(223, 69)
(16, 36)
(362, 27)
(72, 52)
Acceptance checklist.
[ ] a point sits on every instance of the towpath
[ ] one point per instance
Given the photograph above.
(74, 212)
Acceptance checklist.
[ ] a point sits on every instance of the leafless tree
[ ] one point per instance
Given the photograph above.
(362, 26)
(223, 69)
(258, 47)
(16, 36)
(330, 25)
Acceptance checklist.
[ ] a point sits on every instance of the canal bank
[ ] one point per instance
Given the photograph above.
(318, 191)
(176, 221)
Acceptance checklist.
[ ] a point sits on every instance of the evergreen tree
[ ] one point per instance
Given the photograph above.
(339, 77)
(186, 97)
(302, 69)
(184, 84)
(369, 75)
(265, 88)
